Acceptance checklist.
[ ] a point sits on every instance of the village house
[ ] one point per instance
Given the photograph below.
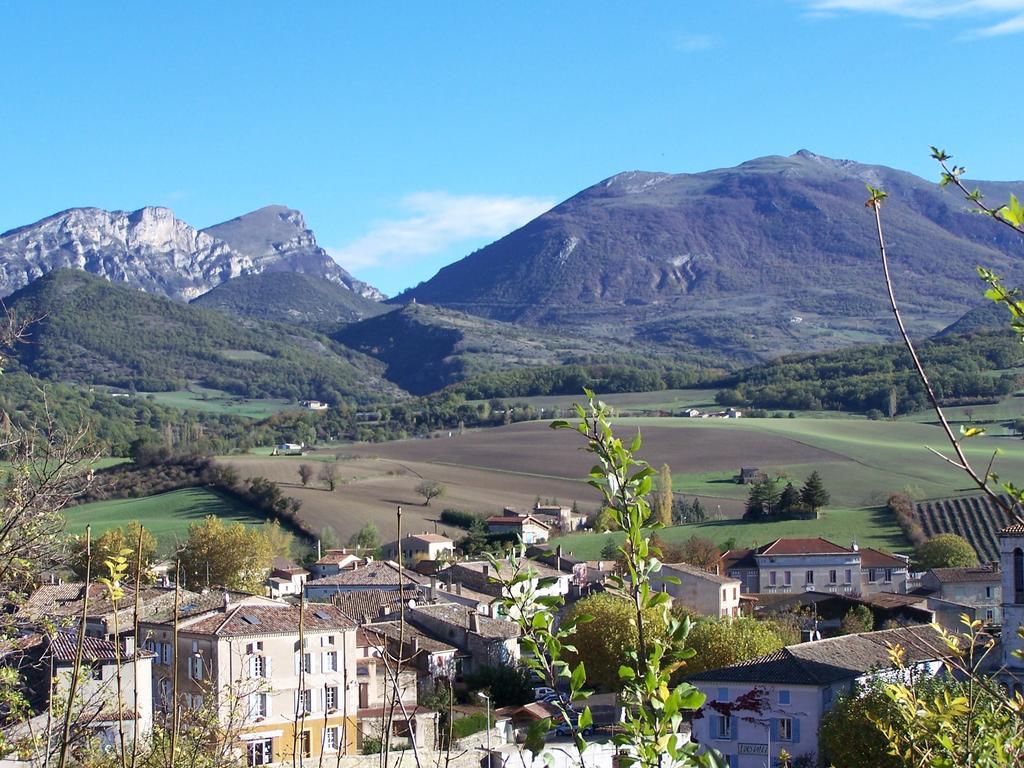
(46, 663)
(749, 475)
(314, 405)
(367, 605)
(757, 707)
(272, 689)
(367, 574)
(334, 561)
(979, 588)
(286, 578)
(706, 593)
(482, 641)
(528, 528)
(797, 565)
(559, 518)
(481, 576)
(1011, 558)
(420, 546)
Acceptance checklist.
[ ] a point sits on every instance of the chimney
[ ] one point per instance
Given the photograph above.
(415, 644)
(433, 588)
(458, 588)
(227, 600)
(383, 611)
(129, 645)
(487, 572)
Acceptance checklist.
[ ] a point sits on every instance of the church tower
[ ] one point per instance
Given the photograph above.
(1011, 557)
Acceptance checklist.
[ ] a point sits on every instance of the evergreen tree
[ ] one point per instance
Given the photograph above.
(663, 501)
(789, 500)
(813, 494)
(697, 513)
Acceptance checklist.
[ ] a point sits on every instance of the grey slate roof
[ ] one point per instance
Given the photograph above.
(836, 658)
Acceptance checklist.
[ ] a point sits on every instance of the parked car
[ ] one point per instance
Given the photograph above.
(542, 692)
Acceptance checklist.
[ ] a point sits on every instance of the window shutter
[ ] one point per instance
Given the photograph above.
(325, 663)
(269, 700)
(732, 728)
(318, 700)
(796, 729)
(266, 665)
(775, 729)
(298, 662)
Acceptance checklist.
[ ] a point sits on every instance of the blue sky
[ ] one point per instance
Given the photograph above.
(412, 133)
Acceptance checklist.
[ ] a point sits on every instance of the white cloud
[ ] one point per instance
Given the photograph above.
(693, 43)
(435, 222)
(996, 17)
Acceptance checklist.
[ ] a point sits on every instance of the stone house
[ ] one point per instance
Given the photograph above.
(707, 593)
(527, 527)
(369, 574)
(420, 546)
(980, 588)
(482, 641)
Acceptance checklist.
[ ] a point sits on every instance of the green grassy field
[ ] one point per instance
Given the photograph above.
(166, 515)
(868, 527)
(216, 401)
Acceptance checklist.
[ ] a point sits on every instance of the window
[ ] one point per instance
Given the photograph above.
(833, 577)
(331, 739)
(304, 701)
(305, 742)
(988, 593)
(787, 578)
(809, 577)
(849, 576)
(257, 705)
(1018, 575)
(331, 697)
(723, 727)
(888, 575)
(193, 701)
(989, 614)
(783, 697)
(260, 752)
(771, 578)
(326, 640)
(785, 729)
(195, 667)
(258, 666)
(330, 662)
(872, 575)
(96, 671)
(734, 595)
(166, 652)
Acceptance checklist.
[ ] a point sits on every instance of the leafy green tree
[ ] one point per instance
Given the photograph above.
(946, 550)
(858, 619)
(701, 552)
(367, 537)
(721, 642)
(610, 636)
(231, 555)
(111, 544)
(508, 685)
(663, 499)
(610, 550)
(813, 493)
(845, 736)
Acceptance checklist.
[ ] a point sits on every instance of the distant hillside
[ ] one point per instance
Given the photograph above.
(290, 297)
(777, 254)
(154, 251)
(89, 331)
(984, 317)
(881, 376)
(426, 348)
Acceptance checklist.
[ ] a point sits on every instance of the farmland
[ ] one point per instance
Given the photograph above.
(197, 398)
(166, 515)
(862, 462)
(974, 518)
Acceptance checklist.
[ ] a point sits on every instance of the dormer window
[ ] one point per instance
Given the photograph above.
(1018, 575)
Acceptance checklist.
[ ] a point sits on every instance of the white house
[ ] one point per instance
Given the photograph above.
(756, 707)
(707, 593)
(420, 546)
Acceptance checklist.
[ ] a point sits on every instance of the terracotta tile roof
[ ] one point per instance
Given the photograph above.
(515, 522)
(282, 618)
(368, 604)
(981, 573)
(1017, 529)
(192, 604)
(375, 574)
(391, 630)
(836, 658)
(873, 558)
(803, 547)
(286, 565)
(336, 556)
(64, 648)
(431, 538)
(458, 616)
(478, 567)
(700, 573)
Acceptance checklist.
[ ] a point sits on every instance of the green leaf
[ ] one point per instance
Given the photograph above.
(586, 719)
(579, 677)
(627, 673)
